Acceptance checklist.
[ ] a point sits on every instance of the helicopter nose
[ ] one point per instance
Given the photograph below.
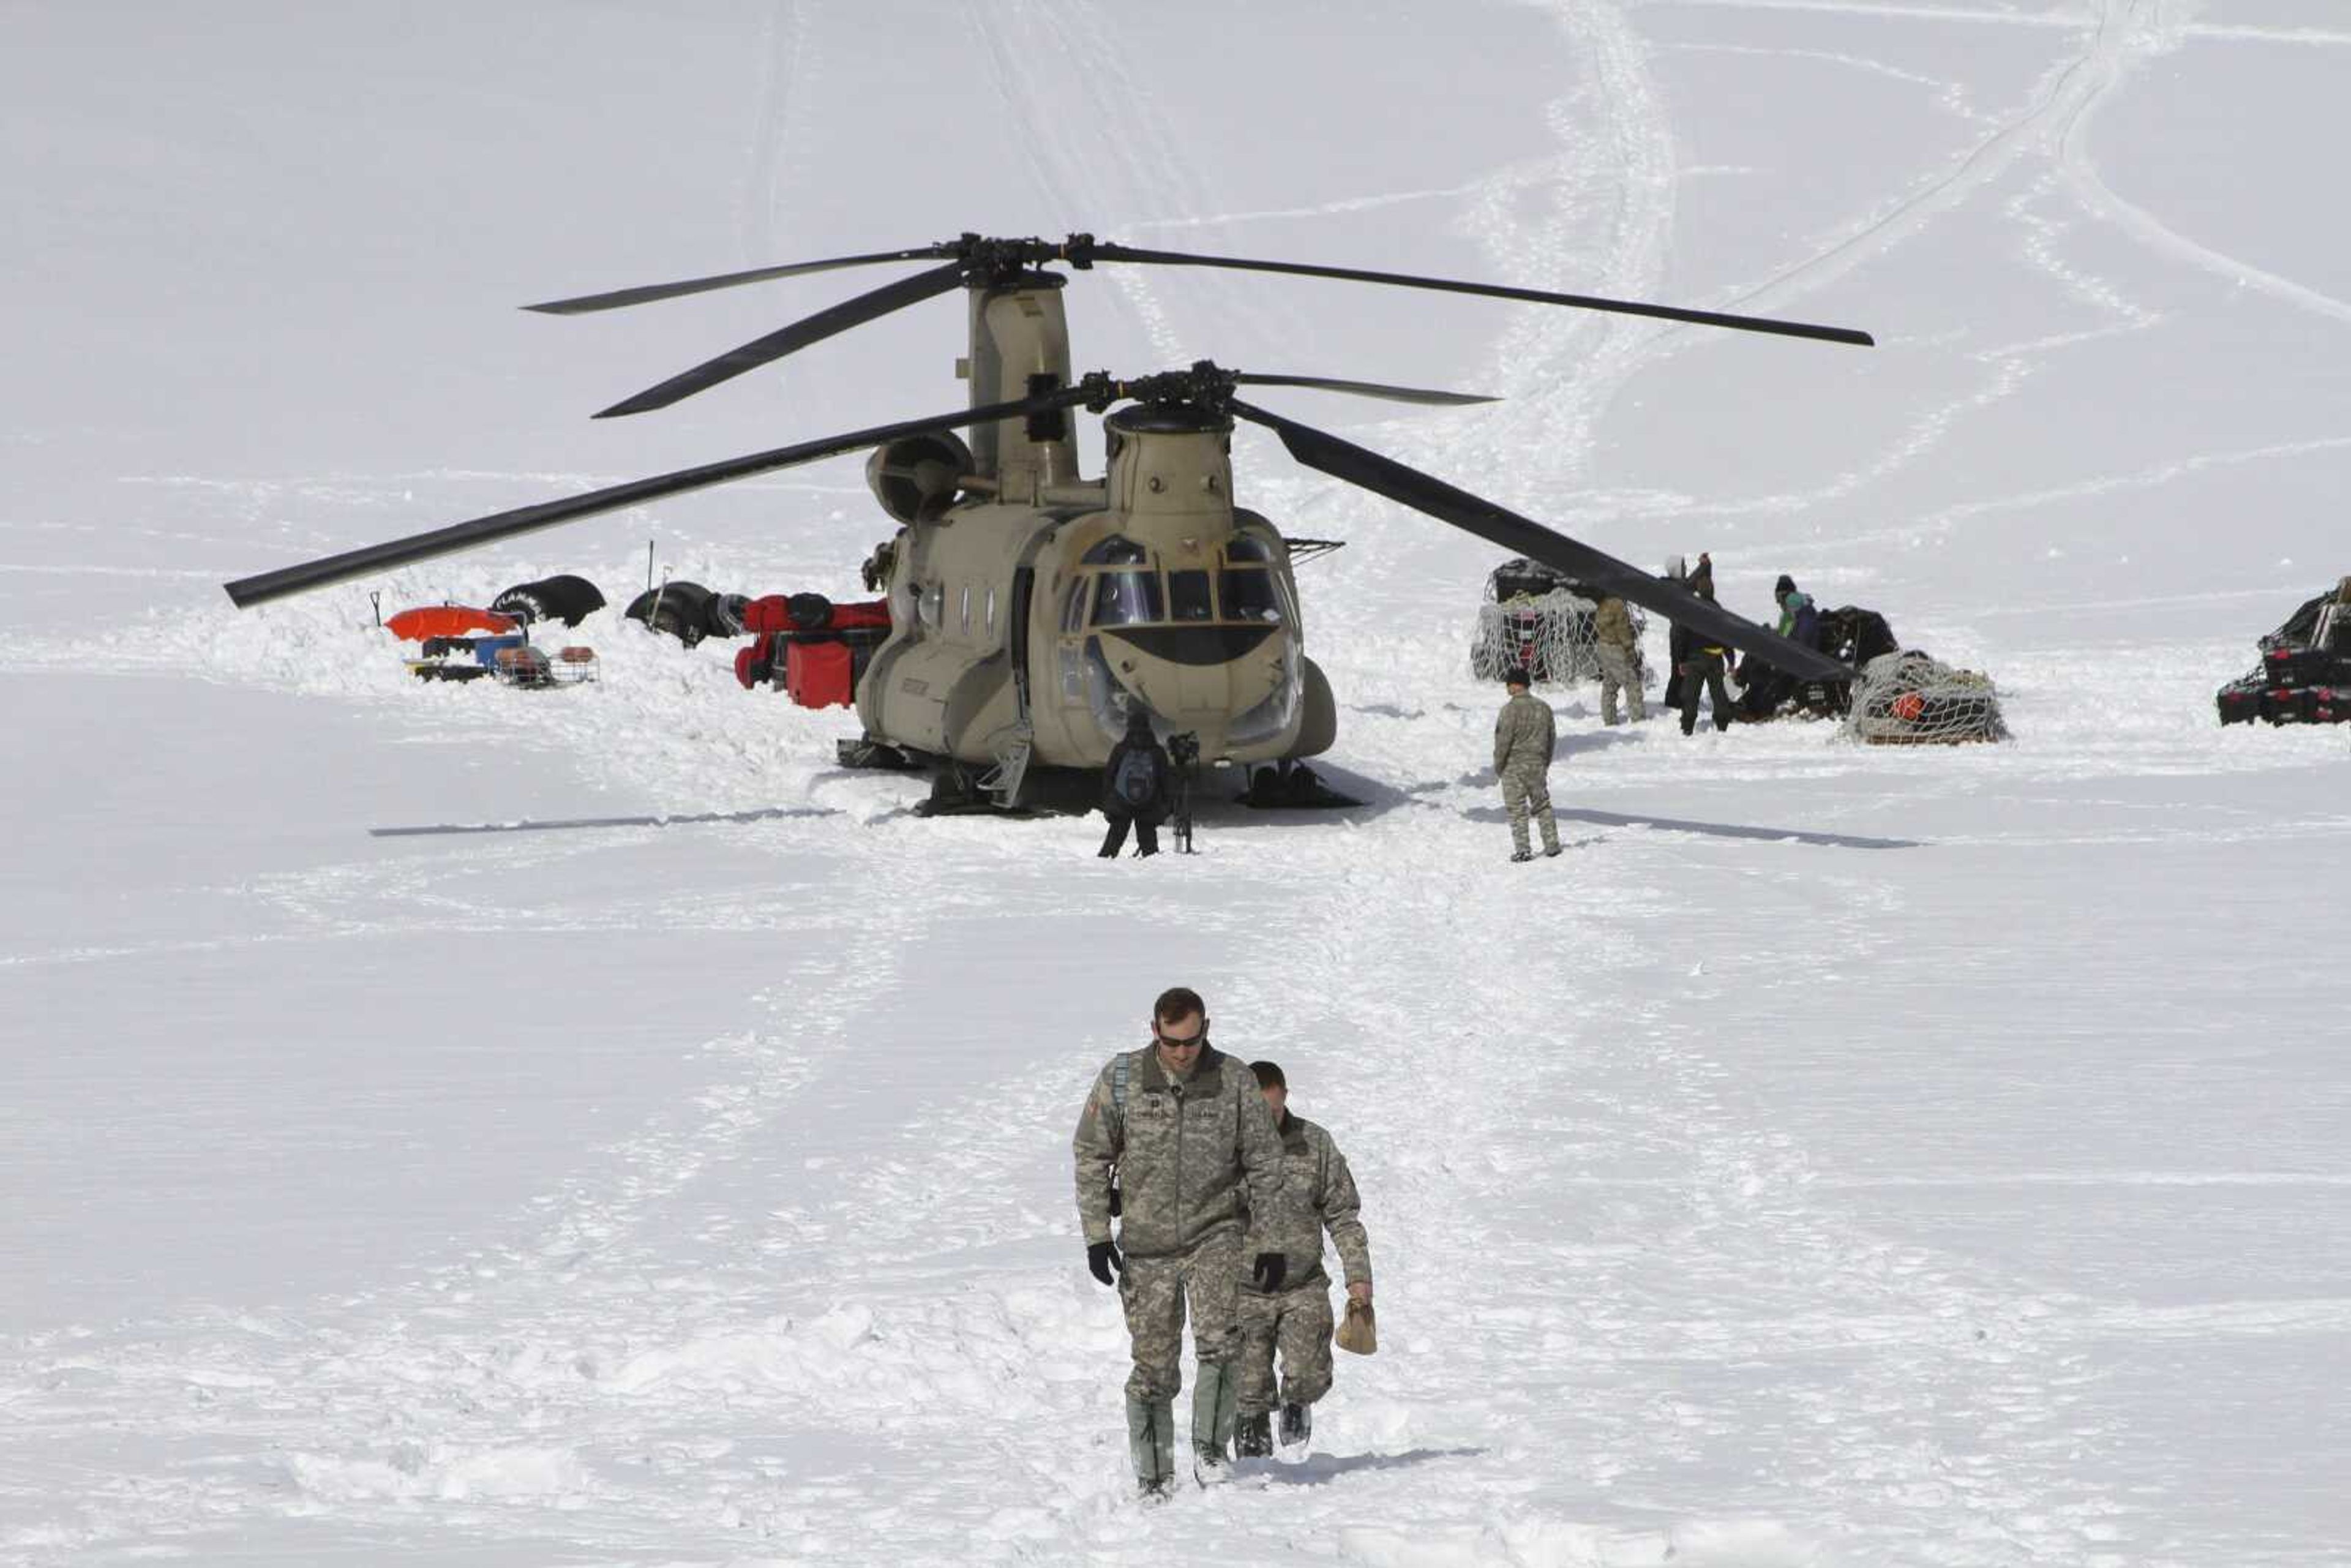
(1197, 678)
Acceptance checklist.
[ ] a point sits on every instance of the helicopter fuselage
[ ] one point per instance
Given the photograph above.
(1052, 620)
(1030, 607)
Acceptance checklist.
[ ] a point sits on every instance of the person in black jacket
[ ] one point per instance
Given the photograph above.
(1699, 662)
(1135, 783)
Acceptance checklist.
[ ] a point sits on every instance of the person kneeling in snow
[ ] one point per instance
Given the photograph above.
(1317, 1194)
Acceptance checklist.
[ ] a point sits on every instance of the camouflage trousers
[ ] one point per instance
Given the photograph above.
(1298, 1323)
(1153, 1291)
(1617, 670)
(1528, 792)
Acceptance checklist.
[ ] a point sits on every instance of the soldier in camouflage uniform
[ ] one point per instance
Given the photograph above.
(1524, 736)
(1317, 1194)
(1614, 644)
(1180, 1128)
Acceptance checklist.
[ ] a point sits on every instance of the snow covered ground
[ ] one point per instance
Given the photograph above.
(1844, 1157)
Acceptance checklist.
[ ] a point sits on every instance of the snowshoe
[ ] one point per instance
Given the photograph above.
(1253, 1438)
(1297, 1434)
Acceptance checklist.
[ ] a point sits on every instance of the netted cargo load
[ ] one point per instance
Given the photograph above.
(1550, 635)
(1914, 699)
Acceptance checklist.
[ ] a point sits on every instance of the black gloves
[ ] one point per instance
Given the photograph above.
(1268, 1270)
(1103, 1260)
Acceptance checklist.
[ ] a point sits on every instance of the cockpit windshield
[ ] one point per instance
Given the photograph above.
(1187, 596)
(1249, 594)
(1126, 598)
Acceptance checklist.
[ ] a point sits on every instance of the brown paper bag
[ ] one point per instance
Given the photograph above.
(1361, 1331)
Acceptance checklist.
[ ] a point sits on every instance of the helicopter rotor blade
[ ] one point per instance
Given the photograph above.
(1365, 389)
(1104, 250)
(614, 299)
(825, 323)
(248, 592)
(1522, 536)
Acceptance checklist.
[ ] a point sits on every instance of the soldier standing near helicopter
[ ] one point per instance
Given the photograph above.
(1135, 787)
(1615, 645)
(1525, 734)
(1181, 1128)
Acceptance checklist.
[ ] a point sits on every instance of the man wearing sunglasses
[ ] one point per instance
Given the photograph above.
(1171, 1137)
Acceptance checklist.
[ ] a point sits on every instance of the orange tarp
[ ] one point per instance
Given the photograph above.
(446, 621)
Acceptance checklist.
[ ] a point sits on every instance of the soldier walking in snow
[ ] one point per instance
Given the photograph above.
(1613, 642)
(1524, 739)
(1317, 1194)
(1181, 1128)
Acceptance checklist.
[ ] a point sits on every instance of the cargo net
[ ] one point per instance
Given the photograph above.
(1913, 699)
(1548, 635)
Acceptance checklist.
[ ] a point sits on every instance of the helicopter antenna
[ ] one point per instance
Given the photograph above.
(975, 261)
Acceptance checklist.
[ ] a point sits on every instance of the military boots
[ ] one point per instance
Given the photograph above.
(1253, 1438)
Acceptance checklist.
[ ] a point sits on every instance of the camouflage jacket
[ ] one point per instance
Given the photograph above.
(1317, 1194)
(1612, 624)
(1524, 736)
(1182, 1149)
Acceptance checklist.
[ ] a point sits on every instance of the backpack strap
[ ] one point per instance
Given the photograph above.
(1118, 1086)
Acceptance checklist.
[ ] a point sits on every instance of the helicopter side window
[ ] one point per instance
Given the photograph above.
(1249, 594)
(1125, 597)
(1187, 596)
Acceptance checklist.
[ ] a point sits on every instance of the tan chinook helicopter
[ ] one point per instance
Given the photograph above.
(1032, 609)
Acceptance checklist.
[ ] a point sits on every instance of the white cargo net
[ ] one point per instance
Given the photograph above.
(1911, 699)
(1549, 635)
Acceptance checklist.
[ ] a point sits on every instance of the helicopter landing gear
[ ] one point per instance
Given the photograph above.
(1288, 786)
(955, 792)
(867, 752)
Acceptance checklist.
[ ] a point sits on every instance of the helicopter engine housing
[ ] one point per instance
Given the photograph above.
(918, 477)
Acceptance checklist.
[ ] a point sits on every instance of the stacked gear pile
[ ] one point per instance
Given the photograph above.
(459, 642)
(814, 649)
(1537, 621)
(2306, 671)
(1913, 698)
(1849, 634)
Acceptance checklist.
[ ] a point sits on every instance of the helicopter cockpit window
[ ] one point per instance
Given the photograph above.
(1247, 548)
(1187, 596)
(1249, 595)
(1073, 618)
(1117, 550)
(1126, 598)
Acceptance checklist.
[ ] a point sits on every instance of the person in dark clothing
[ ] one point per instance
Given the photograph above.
(1799, 621)
(1700, 663)
(1135, 785)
